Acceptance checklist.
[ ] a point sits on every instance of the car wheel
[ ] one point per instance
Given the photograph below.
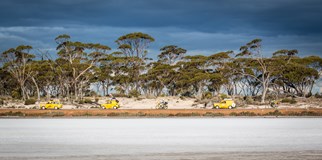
(43, 107)
(230, 107)
(114, 107)
(56, 107)
(217, 107)
(103, 107)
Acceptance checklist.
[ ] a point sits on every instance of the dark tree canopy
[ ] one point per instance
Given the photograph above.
(130, 71)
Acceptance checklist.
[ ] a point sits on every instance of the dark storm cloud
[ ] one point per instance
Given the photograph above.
(201, 26)
(230, 16)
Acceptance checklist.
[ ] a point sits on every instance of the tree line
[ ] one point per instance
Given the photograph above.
(80, 69)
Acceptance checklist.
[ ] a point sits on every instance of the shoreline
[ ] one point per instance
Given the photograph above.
(218, 117)
(234, 155)
(153, 113)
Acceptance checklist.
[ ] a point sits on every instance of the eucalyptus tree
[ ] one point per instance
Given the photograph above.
(298, 76)
(257, 66)
(79, 61)
(16, 61)
(315, 62)
(193, 75)
(170, 54)
(160, 77)
(222, 74)
(34, 68)
(134, 47)
(121, 73)
(286, 54)
(102, 78)
(45, 76)
(7, 85)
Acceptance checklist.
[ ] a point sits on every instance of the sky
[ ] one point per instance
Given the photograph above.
(201, 26)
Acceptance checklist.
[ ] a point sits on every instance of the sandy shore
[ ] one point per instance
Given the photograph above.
(158, 113)
(173, 103)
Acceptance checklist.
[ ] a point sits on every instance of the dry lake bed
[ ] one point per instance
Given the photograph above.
(161, 138)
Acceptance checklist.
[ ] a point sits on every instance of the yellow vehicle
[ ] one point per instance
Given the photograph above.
(226, 103)
(111, 104)
(56, 104)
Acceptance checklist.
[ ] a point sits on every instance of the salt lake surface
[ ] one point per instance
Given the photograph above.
(161, 138)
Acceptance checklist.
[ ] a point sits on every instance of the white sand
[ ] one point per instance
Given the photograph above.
(150, 103)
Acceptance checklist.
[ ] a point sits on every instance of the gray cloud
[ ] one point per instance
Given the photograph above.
(195, 42)
(268, 16)
(200, 26)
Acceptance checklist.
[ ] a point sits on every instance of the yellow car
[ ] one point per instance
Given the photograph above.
(111, 104)
(226, 103)
(52, 105)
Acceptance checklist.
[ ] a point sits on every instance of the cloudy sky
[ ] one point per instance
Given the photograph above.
(200, 26)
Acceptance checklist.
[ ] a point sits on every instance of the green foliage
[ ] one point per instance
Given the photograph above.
(285, 52)
(293, 101)
(30, 101)
(134, 93)
(130, 71)
(318, 95)
(120, 95)
(17, 63)
(207, 95)
(171, 53)
(87, 100)
(134, 36)
(289, 100)
(1, 101)
(249, 99)
(223, 96)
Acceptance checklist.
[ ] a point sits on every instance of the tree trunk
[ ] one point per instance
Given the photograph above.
(80, 91)
(263, 96)
(199, 94)
(104, 89)
(68, 94)
(107, 87)
(75, 91)
(22, 92)
(37, 88)
(265, 88)
(48, 93)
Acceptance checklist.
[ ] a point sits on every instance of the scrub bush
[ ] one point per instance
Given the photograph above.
(30, 101)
